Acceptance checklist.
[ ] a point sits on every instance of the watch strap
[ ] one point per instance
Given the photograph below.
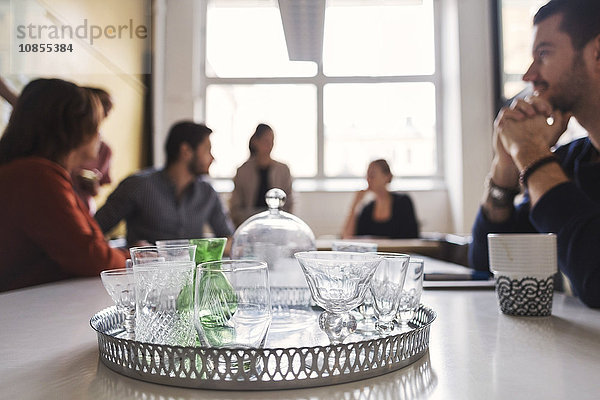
(500, 196)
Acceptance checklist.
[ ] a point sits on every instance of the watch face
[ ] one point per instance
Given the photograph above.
(497, 194)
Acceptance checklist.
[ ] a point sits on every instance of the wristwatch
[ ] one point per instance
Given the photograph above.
(500, 197)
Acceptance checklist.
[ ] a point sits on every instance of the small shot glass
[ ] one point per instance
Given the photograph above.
(411, 292)
(386, 289)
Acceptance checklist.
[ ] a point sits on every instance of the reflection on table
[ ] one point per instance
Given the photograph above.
(413, 382)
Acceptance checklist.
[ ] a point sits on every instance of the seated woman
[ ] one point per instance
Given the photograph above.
(256, 176)
(46, 232)
(88, 178)
(390, 215)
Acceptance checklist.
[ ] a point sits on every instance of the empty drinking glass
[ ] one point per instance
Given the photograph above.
(164, 309)
(172, 242)
(386, 288)
(145, 254)
(411, 292)
(120, 285)
(232, 303)
(338, 282)
(366, 308)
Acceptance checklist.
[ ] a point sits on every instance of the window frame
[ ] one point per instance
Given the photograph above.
(500, 99)
(320, 80)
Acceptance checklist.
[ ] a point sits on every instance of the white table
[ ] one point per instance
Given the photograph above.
(48, 350)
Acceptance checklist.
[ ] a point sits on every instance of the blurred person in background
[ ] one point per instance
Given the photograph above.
(390, 215)
(257, 175)
(46, 233)
(94, 173)
(174, 202)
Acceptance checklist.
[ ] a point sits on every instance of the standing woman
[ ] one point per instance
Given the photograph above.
(257, 175)
(46, 233)
(390, 215)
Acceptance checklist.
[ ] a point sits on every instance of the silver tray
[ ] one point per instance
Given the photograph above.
(296, 353)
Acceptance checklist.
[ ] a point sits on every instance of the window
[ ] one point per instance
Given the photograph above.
(395, 121)
(515, 35)
(245, 39)
(377, 38)
(235, 110)
(375, 94)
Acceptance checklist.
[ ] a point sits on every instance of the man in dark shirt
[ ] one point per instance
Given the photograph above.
(562, 188)
(172, 203)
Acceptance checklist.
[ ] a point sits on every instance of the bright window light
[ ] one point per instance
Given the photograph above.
(233, 111)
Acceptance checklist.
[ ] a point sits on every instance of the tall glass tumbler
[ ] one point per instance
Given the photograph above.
(153, 254)
(232, 303)
(163, 305)
(411, 292)
(207, 249)
(168, 253)
(386, 288)
(172, 242)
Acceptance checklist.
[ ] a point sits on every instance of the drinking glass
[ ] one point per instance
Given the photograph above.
(164, 306)
(153, 254)
(338, 282)
(120, 285)
(172, 242)
(232, 303)
(411, 292)
(386, 289)
(366, 308)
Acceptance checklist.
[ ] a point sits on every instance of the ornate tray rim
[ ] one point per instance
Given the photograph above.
(271, 368)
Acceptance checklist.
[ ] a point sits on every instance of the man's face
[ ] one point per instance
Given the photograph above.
(557, 72)
(202, 158)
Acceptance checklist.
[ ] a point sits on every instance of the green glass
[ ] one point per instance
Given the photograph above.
(208, 249)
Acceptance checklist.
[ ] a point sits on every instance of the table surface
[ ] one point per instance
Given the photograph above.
(48, 350)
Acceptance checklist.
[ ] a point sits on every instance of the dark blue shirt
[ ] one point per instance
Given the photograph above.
(571, 210)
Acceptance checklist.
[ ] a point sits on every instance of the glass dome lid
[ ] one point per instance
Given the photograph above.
(273, 236)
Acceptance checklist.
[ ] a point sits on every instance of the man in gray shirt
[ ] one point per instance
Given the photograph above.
(174, 202)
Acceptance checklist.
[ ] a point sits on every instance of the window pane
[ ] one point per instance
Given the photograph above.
(517, 31)
(379, 40)
(395, 121)
(233, 111)
(245, 39)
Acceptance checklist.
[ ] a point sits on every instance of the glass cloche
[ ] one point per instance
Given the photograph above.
(275, 236)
